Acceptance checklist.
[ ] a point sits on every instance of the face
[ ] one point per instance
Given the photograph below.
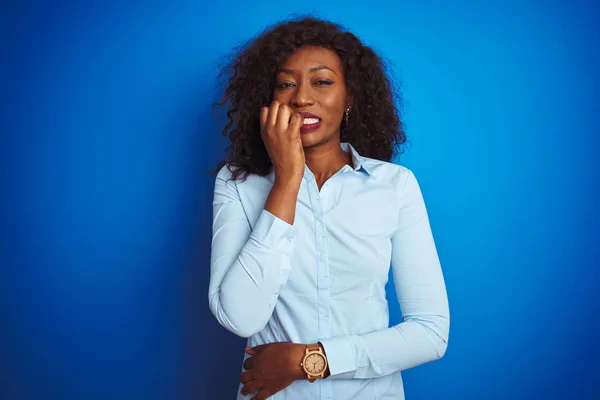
(311, 80)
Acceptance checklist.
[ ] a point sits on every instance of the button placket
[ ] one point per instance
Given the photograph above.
(323, 289)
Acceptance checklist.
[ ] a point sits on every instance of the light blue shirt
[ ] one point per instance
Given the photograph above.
(323, 278)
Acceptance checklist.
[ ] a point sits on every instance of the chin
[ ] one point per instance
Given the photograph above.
(313, 139)
(308, 139)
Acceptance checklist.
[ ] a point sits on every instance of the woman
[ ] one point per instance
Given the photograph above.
(309, 216)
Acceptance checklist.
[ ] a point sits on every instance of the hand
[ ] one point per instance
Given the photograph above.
(272, 368)
(280, 131)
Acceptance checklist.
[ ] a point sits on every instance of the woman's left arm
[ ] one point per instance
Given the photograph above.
(422, 336)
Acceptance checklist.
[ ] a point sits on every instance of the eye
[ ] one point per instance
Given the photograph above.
(323, 82)
(284, 85)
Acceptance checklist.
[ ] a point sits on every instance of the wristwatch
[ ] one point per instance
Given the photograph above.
(314, 362)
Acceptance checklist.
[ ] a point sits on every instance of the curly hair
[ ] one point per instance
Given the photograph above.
(376, 130)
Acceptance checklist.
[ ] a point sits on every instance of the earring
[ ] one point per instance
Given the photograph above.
(347, 113)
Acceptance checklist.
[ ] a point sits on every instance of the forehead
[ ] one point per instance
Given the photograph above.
(309, 56)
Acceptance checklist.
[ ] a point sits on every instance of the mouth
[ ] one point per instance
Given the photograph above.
(311, 122)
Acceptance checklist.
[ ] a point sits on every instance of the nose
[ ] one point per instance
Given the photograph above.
(303, 96)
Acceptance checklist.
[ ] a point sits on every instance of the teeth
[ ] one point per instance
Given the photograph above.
(308, 121)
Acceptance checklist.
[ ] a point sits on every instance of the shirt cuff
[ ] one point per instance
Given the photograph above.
(274, 233)
(340, 357)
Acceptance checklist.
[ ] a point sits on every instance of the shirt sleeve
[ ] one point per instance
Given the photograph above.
(422, 336)
(248, 266)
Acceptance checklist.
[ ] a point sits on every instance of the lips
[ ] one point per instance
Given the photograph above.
(307, 114)
(310, 127)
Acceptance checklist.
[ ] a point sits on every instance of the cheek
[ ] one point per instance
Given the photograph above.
(282, 98)
(335, 113)
(334, 105)
(333, 99)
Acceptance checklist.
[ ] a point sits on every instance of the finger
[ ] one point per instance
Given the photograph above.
(262, 395)
(296, 122)
(249, 363)
(245, 377)
(273, 110)
(252, 386)
(264, 113)
(259, 348)
(283, 118)
(250, 350)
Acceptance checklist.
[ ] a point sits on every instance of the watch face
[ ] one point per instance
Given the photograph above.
(315, 363)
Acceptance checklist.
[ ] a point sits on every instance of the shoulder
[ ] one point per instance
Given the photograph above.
(225, 175)
(224, 179)
(227, 171)
(387, 172)
(248, 187)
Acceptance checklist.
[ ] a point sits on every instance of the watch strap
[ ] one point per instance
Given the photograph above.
(313, 347)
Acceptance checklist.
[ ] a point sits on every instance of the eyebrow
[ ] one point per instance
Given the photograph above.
(313, 69)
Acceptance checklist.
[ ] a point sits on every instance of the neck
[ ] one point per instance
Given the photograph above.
(325, 160)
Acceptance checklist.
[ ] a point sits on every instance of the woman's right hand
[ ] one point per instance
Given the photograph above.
(281, 136)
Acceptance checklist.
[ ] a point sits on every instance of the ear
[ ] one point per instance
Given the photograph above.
(349, 97)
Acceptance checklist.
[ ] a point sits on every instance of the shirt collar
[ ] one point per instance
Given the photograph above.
(359, 162)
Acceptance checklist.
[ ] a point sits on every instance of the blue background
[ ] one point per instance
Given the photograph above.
(106, 205)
